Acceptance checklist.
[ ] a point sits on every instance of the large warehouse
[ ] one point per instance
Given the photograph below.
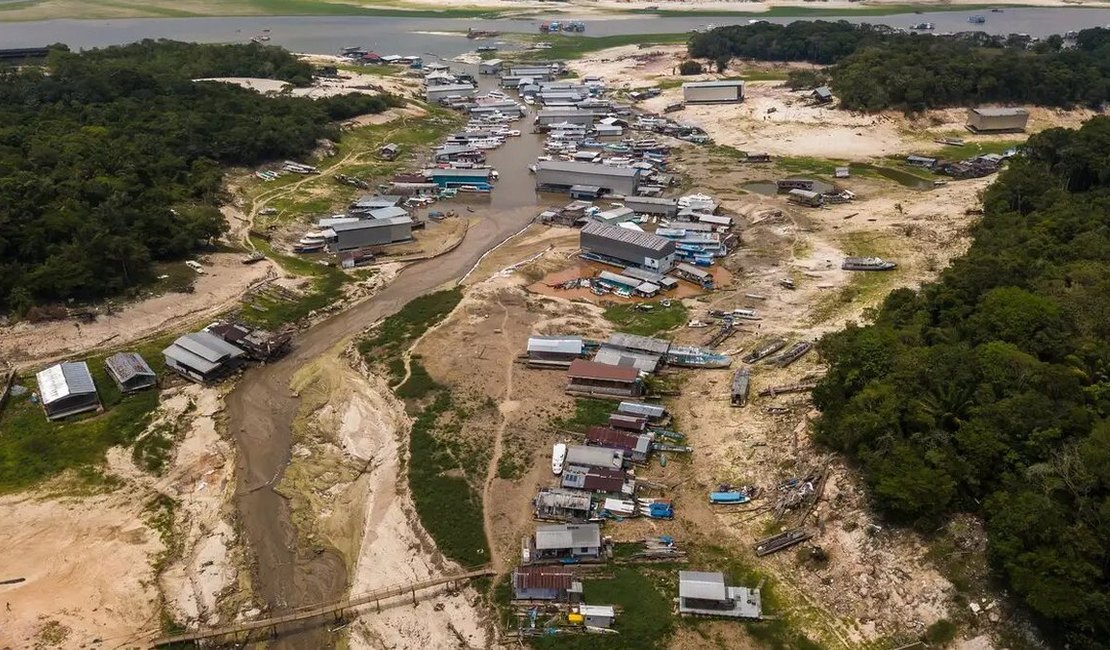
(997, 120)
(629, 246)
(368, 232)
(550, 116)
(561, 175)
(712, 92)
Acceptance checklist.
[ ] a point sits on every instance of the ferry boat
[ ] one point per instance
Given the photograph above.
(558, 457)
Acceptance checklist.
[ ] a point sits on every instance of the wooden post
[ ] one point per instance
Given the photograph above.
(414, 595)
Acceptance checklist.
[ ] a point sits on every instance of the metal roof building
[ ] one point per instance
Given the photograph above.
(997, 120)
(704, 593)
(597, 479)
(613, 356)
(67, 389)
(437, 93)
(652, 205)
(568, 537)
(556, 348)
(490, 66)
(640, 409)
(637, 343)
(562, 175)
(712, 92)
(550, 116)
(202, 356)
(650, 276)
(130, 371)
(636, 446)
(545, 583)
(594, 457)
(634, 248)
(368, 232)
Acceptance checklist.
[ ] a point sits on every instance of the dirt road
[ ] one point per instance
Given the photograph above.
(262, 407)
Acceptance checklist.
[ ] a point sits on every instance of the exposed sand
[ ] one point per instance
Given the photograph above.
(223, 282)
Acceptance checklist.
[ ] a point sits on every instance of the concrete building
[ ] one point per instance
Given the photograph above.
(202, 357)
(997, 120)
(490, 66)
(67, 389)
(368, 232)
(633, 248)
(546, 583)
(560, 175)
(130, 371)
(433, 94)
(600, 457)
(598, 379)
(703, 593)
(712, 92)
(554, 542)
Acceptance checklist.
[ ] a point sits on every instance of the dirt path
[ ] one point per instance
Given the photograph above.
(506, 406)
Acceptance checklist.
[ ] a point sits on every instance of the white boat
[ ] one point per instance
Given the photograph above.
(558, 457)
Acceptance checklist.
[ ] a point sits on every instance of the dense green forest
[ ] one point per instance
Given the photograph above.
(988, 391)
(873, 68)
(111, 160)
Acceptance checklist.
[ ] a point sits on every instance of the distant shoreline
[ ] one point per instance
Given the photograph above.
(40, 10)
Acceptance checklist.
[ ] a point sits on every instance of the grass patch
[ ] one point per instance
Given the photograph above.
(327, 287)
(385, 346)
(419, 384)
(588, 412)
(450, 509)
(900, 176)
(808, 165)
(972, 149)
(153, 450)
(647, 322)
(33, 448)
(643, 597)
(573, 47)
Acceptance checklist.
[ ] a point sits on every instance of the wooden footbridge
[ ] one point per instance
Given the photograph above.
(336, 609)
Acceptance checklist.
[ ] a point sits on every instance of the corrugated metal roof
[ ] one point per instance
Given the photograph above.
(388, 213)
(703, 585)
(566, 536)
(637, 342)
(565, 499)
(542, 577)
(610, 437)
(576, 167)
(642, 362)
(582, 369)
(124, 366)
(641, 409)
(595, 456)
(556, 344)
(624, 280)
(642, 239)
(1000, 112)
(455, 173)
(713, 84)
(690, 269)
(368, 224)
(180, 356)
(605, 611)
(63, 380)
(208, 346)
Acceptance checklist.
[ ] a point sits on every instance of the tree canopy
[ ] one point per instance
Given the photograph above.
(988, 391)
(874, 68)
(112, 159)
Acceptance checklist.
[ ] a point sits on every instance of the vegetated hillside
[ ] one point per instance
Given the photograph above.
(111, 160)
(874, 68)
(988, 391)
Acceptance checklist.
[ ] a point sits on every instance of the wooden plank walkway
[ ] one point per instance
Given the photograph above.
(316, 611)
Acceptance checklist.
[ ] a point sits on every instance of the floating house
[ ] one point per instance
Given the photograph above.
(552, 350)
(433, 94)
(633, 248)
(713, 92)
(553, 504)
(555, 583)
(597, 479)
(639, 409)
(806, 198)
(259, 344)
(590, 378)
(636, 447)
(203, 357)
(67, 389)
(342, 237)
(702, 593)
(564, 542)
(585, 456)
(130, 371)
(997, 120)
(561, 175)
(651, 205)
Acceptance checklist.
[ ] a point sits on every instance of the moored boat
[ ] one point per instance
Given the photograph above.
(558, 457)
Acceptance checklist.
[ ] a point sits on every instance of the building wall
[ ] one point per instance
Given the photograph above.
(536, 594)
(72, 405)
(387, 234)
(996, 123)
(712, 94)
(614, 184)
(434, 94)
(660, 262)
(577, 118)
(669, 210)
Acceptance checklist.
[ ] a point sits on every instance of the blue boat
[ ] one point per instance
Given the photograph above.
(730, 498)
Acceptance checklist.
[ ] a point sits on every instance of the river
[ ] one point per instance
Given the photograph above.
(261, 408)
(442, 36)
